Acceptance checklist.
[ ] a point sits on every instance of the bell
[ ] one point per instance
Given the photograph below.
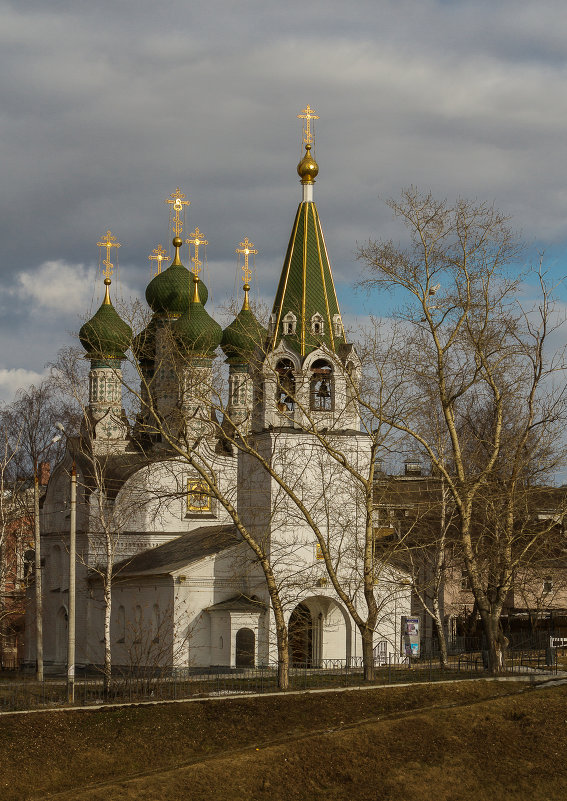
(323, 391)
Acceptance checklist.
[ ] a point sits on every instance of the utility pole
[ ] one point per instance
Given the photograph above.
(72, 584)
(38, 595)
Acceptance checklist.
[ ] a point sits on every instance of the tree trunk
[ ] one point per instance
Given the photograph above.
(368, 652)
(496, 642)
(107, 670)
(441, 637)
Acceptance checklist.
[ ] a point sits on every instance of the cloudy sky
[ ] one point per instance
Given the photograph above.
(107, 107)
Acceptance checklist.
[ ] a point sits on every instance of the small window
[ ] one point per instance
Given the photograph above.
(121, 625)
(317, 325)
(465, 581)
(138, 624)
(198, 497)
(289, 323)
(318, 552)
(338, 325)
(547, 585)
(56, 568)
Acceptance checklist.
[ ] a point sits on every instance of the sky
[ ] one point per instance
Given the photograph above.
(107, 107)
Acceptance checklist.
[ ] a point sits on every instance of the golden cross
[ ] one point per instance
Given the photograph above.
(198, 239)
(108, 241)
(307, 114)
(177, 201)
(246, 248)
(158, 254)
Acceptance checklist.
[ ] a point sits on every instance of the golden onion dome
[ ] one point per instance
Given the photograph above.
(307, 169)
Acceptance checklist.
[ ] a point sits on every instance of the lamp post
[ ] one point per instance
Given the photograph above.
(38, 582)
(72, 581)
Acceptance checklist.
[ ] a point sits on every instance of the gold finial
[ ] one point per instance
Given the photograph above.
(108, 241)
(106, 301)
(177, 201)
(158, 254)
(246, 248)
(198, 238)
(246, 305)
(196, 298)
(307, 114)
(177, 242)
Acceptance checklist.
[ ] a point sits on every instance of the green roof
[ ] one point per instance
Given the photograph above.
(242, 337)
(306, 286)
(169, 292)
(106, 335)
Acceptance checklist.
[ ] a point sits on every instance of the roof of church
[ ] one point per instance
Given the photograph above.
(180, 551)
(240, 603)
(306, 286)
(106, 335)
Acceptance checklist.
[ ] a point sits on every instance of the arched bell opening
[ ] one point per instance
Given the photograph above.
(322, 395)
(285, 390)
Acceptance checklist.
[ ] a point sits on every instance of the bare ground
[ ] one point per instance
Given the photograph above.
(472, 740)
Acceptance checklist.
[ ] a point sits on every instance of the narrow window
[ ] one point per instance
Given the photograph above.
(317, 325)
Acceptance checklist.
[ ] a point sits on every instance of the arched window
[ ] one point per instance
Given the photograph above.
(289, 323)
(285, 392)
(245, 646)
(121, 625)
(317, 325)
(56, 568)
(155, 623)
(138, 623)
(337, 325)
(321, 386)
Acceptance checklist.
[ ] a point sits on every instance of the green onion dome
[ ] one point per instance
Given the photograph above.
(196, 331)
(169, 292)
(106, 335)
(243, 335)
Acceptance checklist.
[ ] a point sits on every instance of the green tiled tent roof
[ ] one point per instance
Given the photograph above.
(306, 286)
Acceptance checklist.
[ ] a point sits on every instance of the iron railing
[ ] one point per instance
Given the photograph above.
(166, 684)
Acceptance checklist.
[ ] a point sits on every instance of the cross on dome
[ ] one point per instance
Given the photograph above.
(108, 241)
(158, 254)
(177, 200)
(197, 238)
(307, 114)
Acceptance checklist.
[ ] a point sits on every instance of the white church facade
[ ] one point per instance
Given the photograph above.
(187, 590)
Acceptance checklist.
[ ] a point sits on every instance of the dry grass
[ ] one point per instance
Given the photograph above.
(495, 741)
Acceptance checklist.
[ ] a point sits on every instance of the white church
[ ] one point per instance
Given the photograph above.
(187, 590)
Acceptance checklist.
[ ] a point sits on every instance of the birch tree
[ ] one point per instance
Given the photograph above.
(473, 356)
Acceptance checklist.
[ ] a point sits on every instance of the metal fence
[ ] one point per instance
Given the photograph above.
(24, 692)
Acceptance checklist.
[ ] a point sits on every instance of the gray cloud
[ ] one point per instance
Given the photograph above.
(107, 107)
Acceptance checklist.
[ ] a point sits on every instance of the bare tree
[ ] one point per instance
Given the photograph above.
(477, 386)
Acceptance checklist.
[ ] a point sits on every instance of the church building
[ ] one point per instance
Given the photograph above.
(187, 589)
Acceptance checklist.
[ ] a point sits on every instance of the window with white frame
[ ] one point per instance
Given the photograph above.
(289, 323)
(317, 325)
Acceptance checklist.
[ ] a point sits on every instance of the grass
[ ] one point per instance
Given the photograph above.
(481, 740)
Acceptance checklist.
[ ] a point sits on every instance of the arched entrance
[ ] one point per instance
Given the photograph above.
(245, 648)
(318, 629)
(61, 635)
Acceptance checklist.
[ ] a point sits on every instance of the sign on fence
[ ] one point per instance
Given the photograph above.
(410, 636)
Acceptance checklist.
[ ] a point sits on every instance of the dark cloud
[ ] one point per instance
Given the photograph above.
(107, 107)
